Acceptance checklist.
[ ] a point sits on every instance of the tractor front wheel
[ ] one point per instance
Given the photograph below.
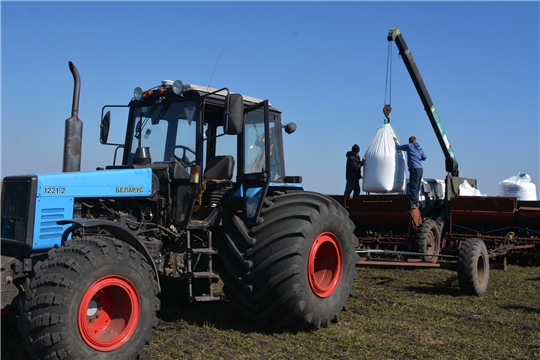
(296, 267)
(94, 298)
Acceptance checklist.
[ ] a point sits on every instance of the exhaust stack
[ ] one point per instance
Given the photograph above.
(73, 133)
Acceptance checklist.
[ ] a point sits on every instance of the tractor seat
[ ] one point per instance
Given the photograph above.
(219, 170)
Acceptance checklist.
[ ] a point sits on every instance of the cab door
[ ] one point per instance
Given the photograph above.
(254, 158)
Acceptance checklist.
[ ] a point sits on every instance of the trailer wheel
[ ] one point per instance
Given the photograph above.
(296, 267)
(428, 240)
(473, 267)
(94, 298)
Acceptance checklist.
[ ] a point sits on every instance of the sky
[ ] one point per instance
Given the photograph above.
(323, 64)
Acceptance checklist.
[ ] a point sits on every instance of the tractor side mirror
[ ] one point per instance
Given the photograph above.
(290, 128)
(104, 128)
(233, 117)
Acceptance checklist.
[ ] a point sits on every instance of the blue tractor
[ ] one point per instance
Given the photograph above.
(200, 194)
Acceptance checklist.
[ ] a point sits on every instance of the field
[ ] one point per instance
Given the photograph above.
(395, 314)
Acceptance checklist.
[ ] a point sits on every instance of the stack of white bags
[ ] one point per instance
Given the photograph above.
(384, 170)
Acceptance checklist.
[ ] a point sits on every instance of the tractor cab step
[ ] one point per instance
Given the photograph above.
(200, 271)
(204, 275)
(205, 298)
(204, 251)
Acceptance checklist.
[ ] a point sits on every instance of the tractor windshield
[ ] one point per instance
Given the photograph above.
(168, 130)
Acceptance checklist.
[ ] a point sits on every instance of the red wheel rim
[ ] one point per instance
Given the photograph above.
(324, 264)
(109, 313)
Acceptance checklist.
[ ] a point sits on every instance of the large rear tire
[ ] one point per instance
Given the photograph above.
(295, 269)
(94, 298)
(428, 240)
(473, 267)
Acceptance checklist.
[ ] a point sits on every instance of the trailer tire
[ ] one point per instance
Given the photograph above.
(473, 267)
(428, 240)
(296, 267)
(93, 298)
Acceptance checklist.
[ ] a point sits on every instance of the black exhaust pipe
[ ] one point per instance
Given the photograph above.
(73, 134)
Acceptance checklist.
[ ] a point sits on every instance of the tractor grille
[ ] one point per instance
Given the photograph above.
(17, 207)
(15, 201)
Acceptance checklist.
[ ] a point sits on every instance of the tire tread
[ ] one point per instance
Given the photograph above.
(270, 290)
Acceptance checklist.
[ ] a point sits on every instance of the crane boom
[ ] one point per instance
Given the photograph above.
(451, 162)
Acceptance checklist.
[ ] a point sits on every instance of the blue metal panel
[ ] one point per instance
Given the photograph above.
(240, 192)
(102, 183)
(56, 195)
(47, 233)
(295, 185)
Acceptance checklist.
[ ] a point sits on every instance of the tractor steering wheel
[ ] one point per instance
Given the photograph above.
(184, 159)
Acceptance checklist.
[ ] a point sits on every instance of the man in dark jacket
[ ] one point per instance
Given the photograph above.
(415, 156)
(353, 173)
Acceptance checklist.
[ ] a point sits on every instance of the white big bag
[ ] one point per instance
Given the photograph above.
(384, 169)
(519, 186)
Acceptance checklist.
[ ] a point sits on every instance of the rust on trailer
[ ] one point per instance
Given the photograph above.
(482, 212)
(418, 264)
(506, 225)
(505, 249)
(382, 210)
(411, 263)
(528, 216)
(382, 219)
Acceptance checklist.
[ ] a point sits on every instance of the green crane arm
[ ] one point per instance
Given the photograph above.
(451, 162)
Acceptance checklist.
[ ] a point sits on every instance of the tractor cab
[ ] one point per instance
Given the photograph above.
(202, 144)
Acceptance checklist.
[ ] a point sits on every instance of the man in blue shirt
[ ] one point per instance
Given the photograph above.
(415, 156)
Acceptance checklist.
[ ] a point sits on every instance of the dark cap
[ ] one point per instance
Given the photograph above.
(355, 148)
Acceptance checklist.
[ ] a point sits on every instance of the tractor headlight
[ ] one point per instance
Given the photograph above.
(178, 86)
(138, 93)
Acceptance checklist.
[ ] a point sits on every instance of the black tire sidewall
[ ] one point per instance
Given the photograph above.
(422, 234)
(87, 270)
(138, 283)
(469, 255)
(333, 224)
(276, 287)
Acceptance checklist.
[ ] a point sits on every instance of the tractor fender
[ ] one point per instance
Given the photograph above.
(117, 230)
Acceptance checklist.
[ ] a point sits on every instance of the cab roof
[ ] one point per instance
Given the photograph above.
(207, 89)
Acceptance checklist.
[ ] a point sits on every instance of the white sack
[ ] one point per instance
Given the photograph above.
(384, 169)
(519, 186)
(465, 189)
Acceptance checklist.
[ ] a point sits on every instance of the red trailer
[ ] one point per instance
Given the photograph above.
(474, 232)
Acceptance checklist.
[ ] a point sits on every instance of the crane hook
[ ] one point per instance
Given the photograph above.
(386, 111)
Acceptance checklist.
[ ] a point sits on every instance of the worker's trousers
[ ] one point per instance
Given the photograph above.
(352, 186)
(415, 178)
